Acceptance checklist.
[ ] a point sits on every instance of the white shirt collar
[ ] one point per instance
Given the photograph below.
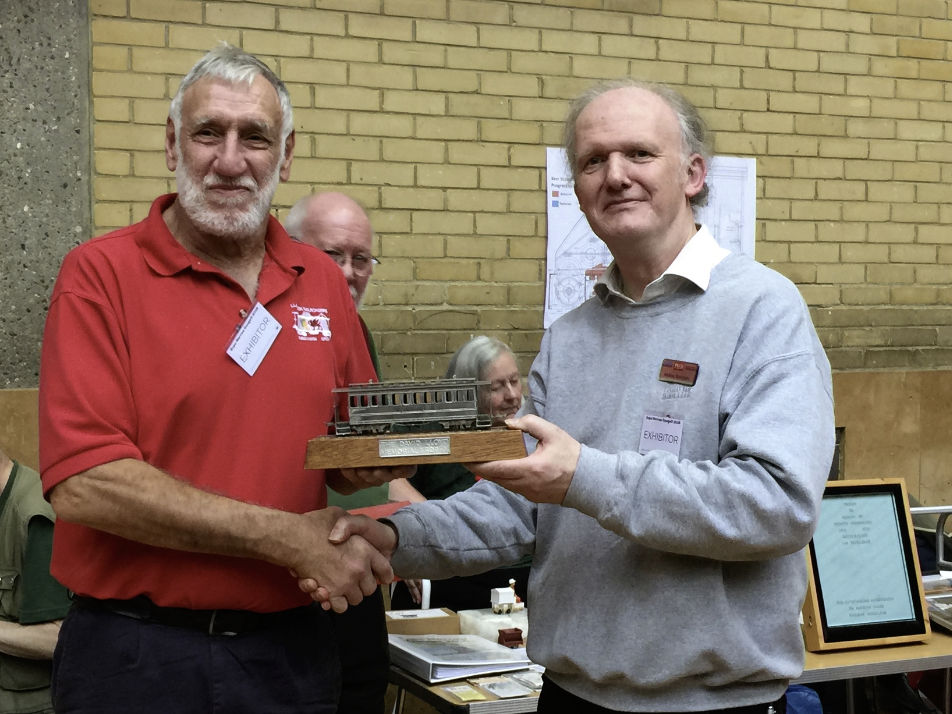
(694, 263)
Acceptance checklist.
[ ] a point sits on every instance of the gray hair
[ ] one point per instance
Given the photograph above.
(233, 64)
(694, 133)
(473, 360)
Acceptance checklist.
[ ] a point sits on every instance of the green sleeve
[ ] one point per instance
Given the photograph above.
(43, 598)
(371, 346)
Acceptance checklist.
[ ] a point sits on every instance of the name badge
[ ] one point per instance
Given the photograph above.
(660, 432)
(678, 372)
(255, 337)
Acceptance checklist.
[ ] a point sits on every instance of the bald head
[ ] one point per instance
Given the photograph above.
(336, 224)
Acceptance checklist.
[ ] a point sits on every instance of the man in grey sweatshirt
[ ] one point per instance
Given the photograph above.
(684, 427)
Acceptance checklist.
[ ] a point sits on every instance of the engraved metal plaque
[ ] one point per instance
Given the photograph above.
(429, 446)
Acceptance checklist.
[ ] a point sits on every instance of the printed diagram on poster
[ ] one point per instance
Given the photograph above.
(575, 257)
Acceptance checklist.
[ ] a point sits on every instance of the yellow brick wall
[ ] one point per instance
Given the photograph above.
(435, 114)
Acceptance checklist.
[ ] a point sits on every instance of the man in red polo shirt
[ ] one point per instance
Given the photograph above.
(186, 362)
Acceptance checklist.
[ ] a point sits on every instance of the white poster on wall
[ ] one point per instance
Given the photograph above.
(575, 257)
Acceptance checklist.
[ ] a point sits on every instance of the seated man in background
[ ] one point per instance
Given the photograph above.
(32, 603)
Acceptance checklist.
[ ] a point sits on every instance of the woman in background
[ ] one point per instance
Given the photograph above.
(490, 360)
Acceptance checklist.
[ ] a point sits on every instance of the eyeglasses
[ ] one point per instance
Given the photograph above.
(360, 263)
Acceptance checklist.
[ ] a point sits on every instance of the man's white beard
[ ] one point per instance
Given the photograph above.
(226, 220)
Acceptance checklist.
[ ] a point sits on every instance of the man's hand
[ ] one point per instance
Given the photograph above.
(348, 481)
(382, 536)
(346, 569)
(415, 588)
(348, 529)
(544, 475)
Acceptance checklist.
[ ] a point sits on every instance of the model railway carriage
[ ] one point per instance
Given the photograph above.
(396, 407)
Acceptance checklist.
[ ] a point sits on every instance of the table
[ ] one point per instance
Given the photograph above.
(448, 704)
(873, 661)
(819, 667)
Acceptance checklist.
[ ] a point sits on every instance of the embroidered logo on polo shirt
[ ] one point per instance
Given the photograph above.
(311, 323)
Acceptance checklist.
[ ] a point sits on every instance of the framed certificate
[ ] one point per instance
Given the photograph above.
(865, 587)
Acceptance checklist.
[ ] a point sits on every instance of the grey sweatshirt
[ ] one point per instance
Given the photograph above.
(663, 582)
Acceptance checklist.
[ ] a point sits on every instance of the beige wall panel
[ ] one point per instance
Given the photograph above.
(881, 414)
(898, 424)
(19, 426)
(935, 476)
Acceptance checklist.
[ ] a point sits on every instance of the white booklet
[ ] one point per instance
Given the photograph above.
(438, 658)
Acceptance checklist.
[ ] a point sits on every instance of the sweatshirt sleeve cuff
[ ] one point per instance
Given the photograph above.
(594, 478)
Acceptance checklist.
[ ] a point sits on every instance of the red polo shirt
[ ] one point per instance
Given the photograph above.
(134, 366)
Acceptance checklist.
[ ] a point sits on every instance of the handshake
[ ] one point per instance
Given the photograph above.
(339, 558)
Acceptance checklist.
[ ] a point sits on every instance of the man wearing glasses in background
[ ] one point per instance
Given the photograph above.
(337, 225)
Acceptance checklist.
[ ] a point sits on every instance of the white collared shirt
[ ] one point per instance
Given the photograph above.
(694, 263)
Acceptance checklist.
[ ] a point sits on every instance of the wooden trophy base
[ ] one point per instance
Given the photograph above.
(432, 447)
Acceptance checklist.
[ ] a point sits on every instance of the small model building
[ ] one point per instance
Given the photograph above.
(510, 637)
(505, 600)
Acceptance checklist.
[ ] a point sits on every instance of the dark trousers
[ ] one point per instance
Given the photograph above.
(109, 663)
(364, 656)
(555, 700)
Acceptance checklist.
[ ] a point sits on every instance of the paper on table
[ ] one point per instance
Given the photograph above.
(415, 614)
(502, 687)
(464, 692)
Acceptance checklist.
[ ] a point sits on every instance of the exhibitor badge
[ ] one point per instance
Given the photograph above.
(660, 433)
(255, 337)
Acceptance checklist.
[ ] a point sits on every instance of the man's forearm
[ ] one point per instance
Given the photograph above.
(131, 499)
(134, 500)
(29, 641)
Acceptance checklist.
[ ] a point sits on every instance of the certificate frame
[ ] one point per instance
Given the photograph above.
(850, 595)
